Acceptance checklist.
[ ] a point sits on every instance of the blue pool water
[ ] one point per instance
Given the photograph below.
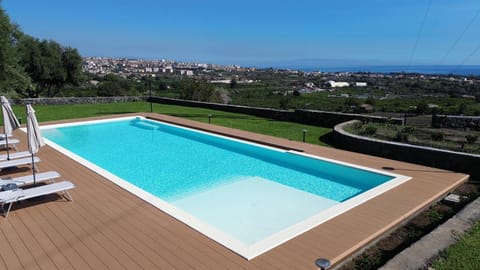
(244, 190)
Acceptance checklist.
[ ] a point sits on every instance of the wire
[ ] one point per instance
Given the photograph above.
(460, 37)
(420, 30)
(468, 57)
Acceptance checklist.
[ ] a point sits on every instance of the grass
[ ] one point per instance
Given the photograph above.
(288, 130)
(465, 254)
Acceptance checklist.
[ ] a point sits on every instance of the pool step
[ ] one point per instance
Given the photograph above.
(145, 125)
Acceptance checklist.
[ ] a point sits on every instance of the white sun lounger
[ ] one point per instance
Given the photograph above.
(28, 179)
(11, 196)
(11, 142)
(15, 155)
(17, 162)
(2, 136)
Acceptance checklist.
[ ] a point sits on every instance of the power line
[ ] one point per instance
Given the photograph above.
(419, 33)
(468, 57)
(460, 37)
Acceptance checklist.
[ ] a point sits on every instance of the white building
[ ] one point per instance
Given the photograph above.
(186, 72)
(226, 81)
(361, 84)
(167, 69)
(309, 85)
(338, 84)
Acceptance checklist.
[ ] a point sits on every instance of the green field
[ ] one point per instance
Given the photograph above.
(288, 130)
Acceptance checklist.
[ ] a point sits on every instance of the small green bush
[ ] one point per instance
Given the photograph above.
(408, 130)
(401, 136)
(437, 136)
(471, 139)
(434, 215)
(367, 262)
(357, 126)
(369, 130)
(389, 122)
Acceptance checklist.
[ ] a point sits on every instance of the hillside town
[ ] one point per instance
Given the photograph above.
(126, 67)
(141, 67)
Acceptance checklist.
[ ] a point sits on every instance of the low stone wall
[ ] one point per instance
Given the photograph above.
(443, 159)
(309, 117)
(330, 119)
(76, 100)
(456, 122)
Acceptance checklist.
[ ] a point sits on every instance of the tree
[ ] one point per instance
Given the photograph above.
(72, 63)
(462, 107)
(371, 100)
(350, 102)
(233, 83)
(422, 107)
(113, 85)
(29, 59)
(12, 76)
(197, 90)
(50, 66)
(162, 85)
(285, 102)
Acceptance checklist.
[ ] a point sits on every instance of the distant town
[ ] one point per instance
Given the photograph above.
(224, 74)
(126, 67)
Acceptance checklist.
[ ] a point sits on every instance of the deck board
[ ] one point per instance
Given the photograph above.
(44, 242)
(106, 227)
(11, 259)
(38, 254)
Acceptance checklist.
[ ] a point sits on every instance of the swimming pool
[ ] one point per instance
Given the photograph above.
(248, 197)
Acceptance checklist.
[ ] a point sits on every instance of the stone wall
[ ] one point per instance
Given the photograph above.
(330, 119)
(309, 117)
(443, 159)
(75, 100)
(456, 122)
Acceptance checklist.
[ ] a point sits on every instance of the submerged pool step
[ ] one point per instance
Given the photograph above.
(145, 125)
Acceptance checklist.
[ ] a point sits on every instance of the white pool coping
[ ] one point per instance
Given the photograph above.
(247, 251)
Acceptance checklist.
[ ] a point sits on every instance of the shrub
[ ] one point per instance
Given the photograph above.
(401, 136)
(437, 136)
(357, 126)
(434, 215)
(285, 102)
(389, 122)
(367, 262)
(408, 130)
(369, 130)
(471, 139)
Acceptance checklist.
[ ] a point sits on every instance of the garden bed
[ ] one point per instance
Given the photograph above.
(386, 248)
(466, 141)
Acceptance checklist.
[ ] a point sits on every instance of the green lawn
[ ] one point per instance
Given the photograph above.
(288, 130)
(463, 255)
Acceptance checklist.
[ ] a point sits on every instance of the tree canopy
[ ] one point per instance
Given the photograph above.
(197, 90)
(33, 67)
(12, 75)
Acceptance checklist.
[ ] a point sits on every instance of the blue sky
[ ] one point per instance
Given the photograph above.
(342, 32)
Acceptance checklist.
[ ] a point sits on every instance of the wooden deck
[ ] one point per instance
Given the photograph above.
(107, 227)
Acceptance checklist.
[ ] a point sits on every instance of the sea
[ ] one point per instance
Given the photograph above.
(427, 69)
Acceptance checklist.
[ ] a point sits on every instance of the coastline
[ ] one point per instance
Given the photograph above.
(421, 69)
